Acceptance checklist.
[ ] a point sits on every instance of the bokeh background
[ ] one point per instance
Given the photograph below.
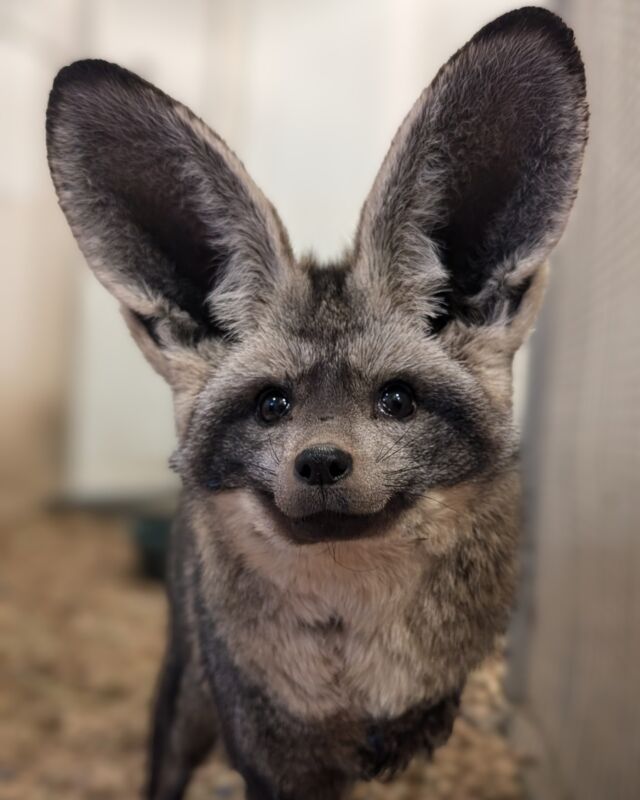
(309, 95)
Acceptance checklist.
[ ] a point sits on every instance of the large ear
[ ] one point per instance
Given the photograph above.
(480, 178)
(163, 211)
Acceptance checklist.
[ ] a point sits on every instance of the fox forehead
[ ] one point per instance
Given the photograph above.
(371, 350)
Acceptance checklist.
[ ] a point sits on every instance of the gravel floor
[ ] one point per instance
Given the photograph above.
(80, 642)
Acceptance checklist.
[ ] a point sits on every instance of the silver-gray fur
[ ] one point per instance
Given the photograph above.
(345, 549)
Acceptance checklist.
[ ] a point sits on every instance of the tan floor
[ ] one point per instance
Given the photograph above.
(80, 642)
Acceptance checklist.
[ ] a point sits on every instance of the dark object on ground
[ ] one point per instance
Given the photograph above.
(151, 537)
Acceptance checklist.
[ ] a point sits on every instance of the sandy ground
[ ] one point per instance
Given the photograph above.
(81, 637)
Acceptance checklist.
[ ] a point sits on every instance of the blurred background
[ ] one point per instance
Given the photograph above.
(309, 96)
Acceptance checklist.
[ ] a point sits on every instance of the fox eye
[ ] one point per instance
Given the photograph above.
(273, 405)
(396, 400)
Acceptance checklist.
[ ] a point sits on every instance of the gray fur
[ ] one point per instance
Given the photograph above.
(326, 631)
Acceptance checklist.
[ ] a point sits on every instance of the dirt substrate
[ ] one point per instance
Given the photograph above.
(80, 640)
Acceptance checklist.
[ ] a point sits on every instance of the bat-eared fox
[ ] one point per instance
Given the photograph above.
(344, 551)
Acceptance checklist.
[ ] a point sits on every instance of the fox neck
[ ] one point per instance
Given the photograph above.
(395, 605)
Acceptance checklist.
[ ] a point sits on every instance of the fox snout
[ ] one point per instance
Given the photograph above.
(327, 492)
(322, 465)
(326, 508)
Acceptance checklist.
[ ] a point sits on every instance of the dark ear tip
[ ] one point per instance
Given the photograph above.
(541, 23)
(91, 70)
(88, 73)
(527, 19)
(85, 75)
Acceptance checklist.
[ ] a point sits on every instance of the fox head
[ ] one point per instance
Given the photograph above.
(337, 395)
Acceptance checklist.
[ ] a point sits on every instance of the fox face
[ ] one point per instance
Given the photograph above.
(338, 395)
(340, 412)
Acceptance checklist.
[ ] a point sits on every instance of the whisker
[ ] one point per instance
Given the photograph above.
(273, 450)
(260, 471)
(446, 505)
(406, 444)
(387, 452)
(398, 443)
(401, 471)
(418, 494)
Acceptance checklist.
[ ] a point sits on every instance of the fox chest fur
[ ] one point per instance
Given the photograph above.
(344, 552)
(334, 630)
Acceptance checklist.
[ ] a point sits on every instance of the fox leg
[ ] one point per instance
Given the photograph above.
(184, 728)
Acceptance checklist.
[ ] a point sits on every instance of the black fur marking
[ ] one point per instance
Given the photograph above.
(164, 717)
(457, 411)
(334, 624)
(149, 324)
(391, 745)
(328, 284)
(533, 20)
(450, 439)
(184, 724)
(333, 309)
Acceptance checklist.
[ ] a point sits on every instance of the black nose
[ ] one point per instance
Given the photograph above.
(322, 465)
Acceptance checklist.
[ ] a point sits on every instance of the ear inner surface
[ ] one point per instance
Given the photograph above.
(164, 212)
(484, 169)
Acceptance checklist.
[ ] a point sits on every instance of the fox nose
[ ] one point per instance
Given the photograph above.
(322, 465)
